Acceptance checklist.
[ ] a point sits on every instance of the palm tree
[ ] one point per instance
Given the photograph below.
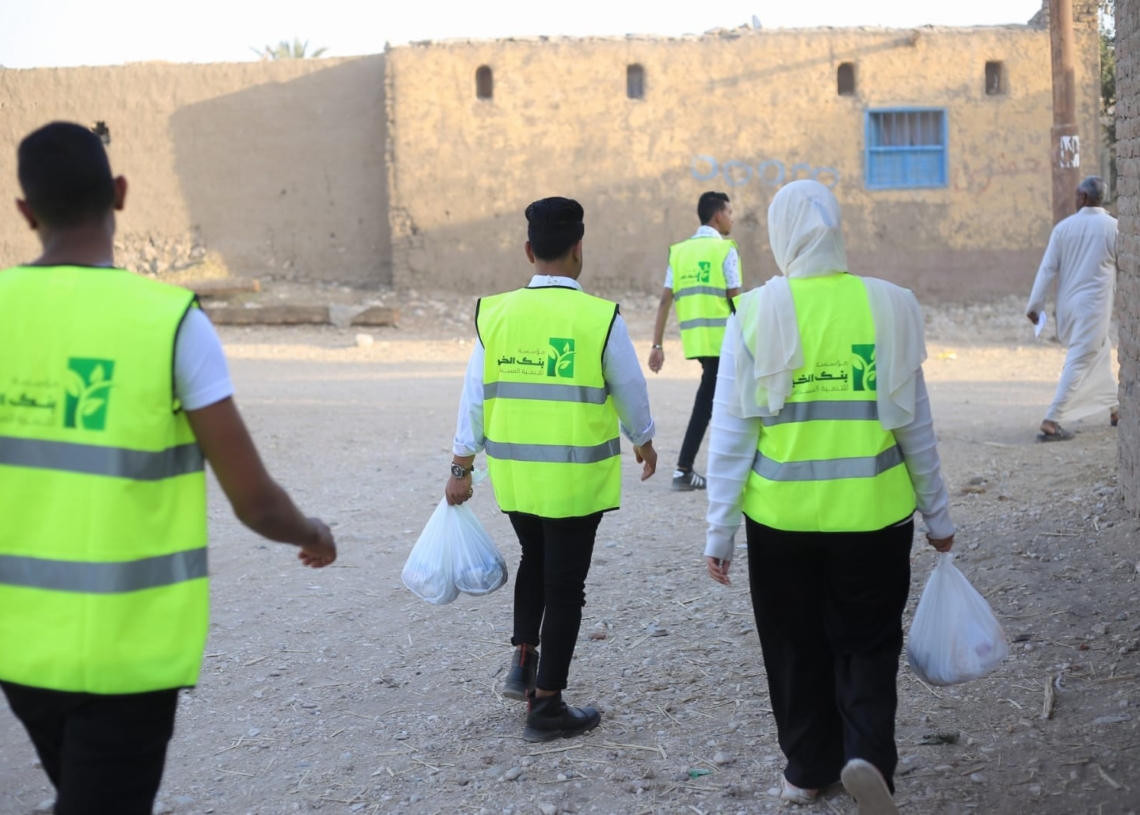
(288, 50)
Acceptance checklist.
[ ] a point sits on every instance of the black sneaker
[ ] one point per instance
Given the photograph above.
(550, 718)
(687, 482)
(520, 678)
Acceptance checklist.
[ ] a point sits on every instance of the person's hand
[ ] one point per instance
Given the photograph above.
(718, 570)
(941, 545)
(646, 456)
(458, 490)
(1032, 316)
(321, 550)
(656, 359)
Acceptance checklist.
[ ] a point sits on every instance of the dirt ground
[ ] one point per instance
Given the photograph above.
(339, 691)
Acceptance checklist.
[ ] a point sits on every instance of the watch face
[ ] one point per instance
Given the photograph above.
(458, 471)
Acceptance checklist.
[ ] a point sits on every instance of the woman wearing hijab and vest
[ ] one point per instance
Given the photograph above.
(550, 381)
(822, 437)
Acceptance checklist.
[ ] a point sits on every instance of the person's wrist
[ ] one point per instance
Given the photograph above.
(312, 534)
(657, 346)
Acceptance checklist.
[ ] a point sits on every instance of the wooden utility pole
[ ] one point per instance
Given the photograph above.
(1065, 141)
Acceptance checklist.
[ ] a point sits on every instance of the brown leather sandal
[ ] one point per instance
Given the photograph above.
(1059, 434)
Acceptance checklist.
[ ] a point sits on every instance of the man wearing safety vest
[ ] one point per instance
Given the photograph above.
(702, 278)
(114, 392)
(822, 434)
(552, 377)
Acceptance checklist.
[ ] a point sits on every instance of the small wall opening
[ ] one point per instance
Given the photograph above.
(845, 77)
(995, 79)
(635, 81)
(484, 83)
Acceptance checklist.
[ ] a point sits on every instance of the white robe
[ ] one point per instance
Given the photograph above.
(1081, 259)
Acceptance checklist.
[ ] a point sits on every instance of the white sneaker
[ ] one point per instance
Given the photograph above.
(866, 784)
(794, 795)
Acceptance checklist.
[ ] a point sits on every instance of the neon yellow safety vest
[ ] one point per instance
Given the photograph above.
(103, 584)
(824, 463)
(701, 293)
(550, 427)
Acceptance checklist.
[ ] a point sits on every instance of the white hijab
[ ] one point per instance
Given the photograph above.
(806, 235)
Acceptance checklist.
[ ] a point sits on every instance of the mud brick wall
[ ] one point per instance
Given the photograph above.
(1128, 202)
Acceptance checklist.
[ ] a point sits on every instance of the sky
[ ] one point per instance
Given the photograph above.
(44, 33)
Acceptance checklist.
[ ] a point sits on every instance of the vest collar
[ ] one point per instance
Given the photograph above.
(546, 281)
(707, 231)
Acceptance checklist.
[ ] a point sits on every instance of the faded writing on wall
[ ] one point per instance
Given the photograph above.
(980, 179)
(770, 173)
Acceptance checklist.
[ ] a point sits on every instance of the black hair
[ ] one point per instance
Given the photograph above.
(554, 225)
(65, 175)
(710, 204)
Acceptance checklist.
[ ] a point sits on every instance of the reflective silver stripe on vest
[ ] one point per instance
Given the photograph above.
(705, 322)
(828, 469)
(102, 578)
(553, 453)
(89, 459)
(713, 290)
(824, 411)
(545, 392)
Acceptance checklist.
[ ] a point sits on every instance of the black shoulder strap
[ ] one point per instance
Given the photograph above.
(176, 403)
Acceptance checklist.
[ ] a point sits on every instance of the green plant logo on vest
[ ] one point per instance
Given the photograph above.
(863, 367)
(88, 391)
(701, 276)
(560, 358)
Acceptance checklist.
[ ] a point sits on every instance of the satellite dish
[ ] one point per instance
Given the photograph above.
(755, 22)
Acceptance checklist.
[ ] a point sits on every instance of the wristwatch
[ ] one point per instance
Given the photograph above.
(459, 471)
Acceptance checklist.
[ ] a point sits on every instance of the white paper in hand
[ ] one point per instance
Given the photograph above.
(1042, 318)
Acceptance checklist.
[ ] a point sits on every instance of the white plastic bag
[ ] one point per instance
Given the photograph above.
(954, 637)
(430, 571)
(454, 553)
(479, 567)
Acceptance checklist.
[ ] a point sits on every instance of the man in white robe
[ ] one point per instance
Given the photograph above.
(1081, 259)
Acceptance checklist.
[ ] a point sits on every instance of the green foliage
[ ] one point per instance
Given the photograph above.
(1107, 55)
(1108, 86)
(289, 50)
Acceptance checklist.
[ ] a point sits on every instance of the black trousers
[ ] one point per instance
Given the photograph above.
(104, 754)
(550, 589)
(829, 611)
(702, 413)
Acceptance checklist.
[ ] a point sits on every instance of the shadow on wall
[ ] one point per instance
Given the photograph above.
(619, 215)
(899, 242)
(288, 180)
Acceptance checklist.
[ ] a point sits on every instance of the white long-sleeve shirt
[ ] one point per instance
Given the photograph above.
(731, 266)
(620, 368)
(732, 449)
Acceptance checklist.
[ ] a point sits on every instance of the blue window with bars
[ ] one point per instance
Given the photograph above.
(906, 148)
